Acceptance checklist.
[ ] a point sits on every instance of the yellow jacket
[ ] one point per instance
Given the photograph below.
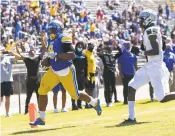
(53, 10)
(91, 64)
(92, 27)
(10, 46)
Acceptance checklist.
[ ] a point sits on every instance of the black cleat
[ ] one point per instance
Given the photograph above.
(74, 107)
(129, 122)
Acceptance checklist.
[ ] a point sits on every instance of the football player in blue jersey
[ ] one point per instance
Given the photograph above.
(61, 70)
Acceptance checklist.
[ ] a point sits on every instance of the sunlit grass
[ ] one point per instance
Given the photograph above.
(154, 119)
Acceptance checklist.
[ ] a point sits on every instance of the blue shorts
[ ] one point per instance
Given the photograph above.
(58, 87)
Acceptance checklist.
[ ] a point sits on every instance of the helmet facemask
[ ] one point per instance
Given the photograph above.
(55, 28)
(147, 18)
(52, 33)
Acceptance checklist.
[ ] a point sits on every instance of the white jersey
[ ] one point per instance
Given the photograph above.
(150, 31)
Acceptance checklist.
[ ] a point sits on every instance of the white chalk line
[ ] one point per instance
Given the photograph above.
(86, 122)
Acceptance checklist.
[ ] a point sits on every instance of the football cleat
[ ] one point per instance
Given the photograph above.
(128, 122)
(38, 121)
(98, 107)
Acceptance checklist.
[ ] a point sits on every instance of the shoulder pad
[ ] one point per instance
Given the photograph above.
(66, 39)
(152, 31)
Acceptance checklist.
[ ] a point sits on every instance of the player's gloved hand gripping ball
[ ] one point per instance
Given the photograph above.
(45, 63)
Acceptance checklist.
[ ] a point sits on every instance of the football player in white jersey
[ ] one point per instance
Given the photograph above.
(154, 70)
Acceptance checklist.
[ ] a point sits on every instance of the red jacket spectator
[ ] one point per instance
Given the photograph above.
(100, 14)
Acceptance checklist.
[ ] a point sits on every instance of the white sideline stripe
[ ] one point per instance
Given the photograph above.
(85, 122)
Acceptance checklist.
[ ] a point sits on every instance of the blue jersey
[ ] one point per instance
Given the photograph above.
(169, 59)
(127, 61)
(56, 46)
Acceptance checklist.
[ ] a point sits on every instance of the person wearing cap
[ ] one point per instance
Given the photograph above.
(127, 65)
(109, 62)
(32, 80)
(169, 59)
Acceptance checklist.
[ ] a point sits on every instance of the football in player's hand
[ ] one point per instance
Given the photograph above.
(45, 63)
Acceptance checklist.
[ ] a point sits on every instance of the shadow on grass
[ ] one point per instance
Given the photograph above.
(125, 125)
(147, 102)
(39, 130)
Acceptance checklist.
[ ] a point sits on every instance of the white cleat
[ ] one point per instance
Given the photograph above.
(8, 116)
(64, 110)
(55, 111)
(110, 104)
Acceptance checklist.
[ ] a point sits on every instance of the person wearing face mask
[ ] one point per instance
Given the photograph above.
(169, 59)
(91, 69)
(109, 62)
(80, 63)
(127, 65)
(32, 80)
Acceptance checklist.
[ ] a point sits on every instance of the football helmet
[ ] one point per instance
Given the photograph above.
(55, 28)
(147, 18)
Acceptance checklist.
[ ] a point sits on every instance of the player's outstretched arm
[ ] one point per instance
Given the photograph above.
(43, 39)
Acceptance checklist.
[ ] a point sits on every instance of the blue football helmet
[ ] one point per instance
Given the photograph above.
(55, 28)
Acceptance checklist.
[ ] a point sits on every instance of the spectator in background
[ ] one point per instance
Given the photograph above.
(91, 70)
(10, 45)
(92, 29)
(109, 62)
(172, 6)
(53, 10)
(55, 90)
(18, 28)
(167, 9)
(99, 14)
(45, 26)
(169, 59)
(7, 77)
(32, 64)
(160, 9)
(127, 65)
(80, 63)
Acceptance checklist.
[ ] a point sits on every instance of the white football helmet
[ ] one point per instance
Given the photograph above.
(148, 17)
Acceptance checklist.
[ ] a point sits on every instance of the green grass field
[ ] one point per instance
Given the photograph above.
(154, 119)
